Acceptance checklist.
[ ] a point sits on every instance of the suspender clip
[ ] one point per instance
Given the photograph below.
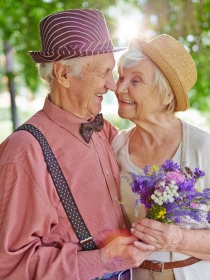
(82, 242)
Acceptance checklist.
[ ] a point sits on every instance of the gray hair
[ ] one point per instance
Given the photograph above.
(46, 69)
(132, 57)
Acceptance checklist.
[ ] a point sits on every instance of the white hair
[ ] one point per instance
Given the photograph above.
(163, 89)
(74, 65)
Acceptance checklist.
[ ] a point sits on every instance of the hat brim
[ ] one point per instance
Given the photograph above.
(40, 56)
(182, 100)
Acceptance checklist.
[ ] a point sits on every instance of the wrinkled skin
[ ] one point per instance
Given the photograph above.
(122, 254)
(163, 236)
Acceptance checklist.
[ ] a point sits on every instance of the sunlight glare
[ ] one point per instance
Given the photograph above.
(127, 30)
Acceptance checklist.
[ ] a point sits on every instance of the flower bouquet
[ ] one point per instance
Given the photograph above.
(170, 195)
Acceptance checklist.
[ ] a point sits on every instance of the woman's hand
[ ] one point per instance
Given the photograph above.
(164, 237)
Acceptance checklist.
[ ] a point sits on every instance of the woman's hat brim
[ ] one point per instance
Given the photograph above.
(168, 65)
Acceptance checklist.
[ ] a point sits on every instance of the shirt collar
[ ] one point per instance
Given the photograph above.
(64, 119)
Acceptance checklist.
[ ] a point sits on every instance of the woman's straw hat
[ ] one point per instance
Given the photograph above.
(174, 61)
(73, 33)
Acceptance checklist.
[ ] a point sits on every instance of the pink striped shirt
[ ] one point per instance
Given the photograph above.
(36, 237)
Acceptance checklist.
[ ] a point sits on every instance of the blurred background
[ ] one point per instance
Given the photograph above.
(21, 91)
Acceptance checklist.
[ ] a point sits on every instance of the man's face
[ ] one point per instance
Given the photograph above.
(86, 91)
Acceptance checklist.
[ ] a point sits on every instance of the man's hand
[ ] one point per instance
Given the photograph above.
(121, 254)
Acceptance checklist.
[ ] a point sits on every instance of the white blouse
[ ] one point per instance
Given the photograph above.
(193, 149)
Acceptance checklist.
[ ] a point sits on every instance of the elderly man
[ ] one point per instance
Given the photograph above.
(60, 214)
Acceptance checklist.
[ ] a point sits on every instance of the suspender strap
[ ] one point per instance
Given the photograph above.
(63, 190)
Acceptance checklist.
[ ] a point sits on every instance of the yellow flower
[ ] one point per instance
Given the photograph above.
(153, 169)
(198, 189)
(162, 213)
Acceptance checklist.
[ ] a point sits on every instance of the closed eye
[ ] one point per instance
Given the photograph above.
(120, 79)
(135, 82)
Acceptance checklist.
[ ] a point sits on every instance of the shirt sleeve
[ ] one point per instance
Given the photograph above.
(110, 131)
(26, 216)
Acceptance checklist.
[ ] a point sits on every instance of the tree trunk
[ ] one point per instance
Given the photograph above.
(11, 84)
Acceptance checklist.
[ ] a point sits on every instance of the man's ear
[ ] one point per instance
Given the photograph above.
(61, 74)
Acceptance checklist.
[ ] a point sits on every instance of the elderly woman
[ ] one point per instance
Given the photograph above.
(154, 78)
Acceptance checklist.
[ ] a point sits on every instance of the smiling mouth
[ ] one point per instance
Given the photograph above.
(99, 95)
(127, 101)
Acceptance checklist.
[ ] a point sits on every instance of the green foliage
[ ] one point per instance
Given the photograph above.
(118, 122)
(157, 212)
(186, 20)
(19, 25)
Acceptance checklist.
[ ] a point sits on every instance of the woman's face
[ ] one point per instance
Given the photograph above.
(135, 91)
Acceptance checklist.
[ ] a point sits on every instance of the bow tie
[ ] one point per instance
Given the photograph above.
(86, 129)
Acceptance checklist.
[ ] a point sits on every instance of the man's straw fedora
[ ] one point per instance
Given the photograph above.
(174, 61)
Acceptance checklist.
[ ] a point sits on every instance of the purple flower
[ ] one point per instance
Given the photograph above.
(187, 185)
(169, 165)
(198, 173)
(208, 217)
(195, 215)
(177, 220)
(172, 188)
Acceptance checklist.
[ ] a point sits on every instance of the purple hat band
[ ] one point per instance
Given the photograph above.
(73, 33)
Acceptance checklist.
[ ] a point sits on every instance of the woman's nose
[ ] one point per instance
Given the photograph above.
(122, 87)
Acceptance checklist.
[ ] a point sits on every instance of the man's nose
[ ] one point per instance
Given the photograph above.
(110, 84)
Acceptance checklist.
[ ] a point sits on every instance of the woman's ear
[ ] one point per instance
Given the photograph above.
(167, 99)
(61, 74)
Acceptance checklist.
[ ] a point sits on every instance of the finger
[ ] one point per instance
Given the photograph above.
(160, 241)
(126, 240)
(146, 230)
(147, 238)
(150, 223)
(144, 246)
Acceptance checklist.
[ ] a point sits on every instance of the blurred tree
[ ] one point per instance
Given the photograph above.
(186, 20)
(19, 29)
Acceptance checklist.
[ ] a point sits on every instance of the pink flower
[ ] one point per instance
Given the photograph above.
(194, 205)
(176, 176)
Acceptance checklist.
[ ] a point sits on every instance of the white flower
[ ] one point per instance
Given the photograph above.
(164, 194)
(153, 197)
(156, 200)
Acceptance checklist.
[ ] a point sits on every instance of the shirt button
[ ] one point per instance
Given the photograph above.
(115, 198)
(107, 172)
(98, 145)
(123, 225)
